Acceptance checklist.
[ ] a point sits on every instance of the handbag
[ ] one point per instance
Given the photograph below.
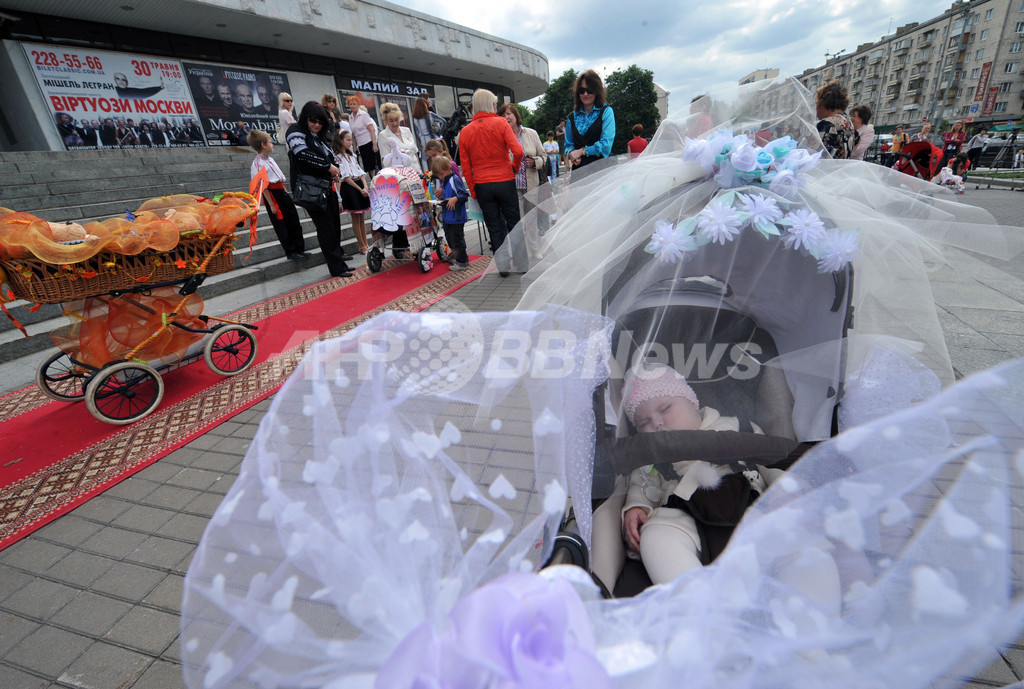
(311, 192)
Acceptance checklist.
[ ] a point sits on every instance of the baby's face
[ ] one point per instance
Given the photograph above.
(666, 414)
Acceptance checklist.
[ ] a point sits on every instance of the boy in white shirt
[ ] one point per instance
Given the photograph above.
(279, 205)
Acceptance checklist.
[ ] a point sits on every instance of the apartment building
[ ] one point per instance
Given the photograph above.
(966, 64)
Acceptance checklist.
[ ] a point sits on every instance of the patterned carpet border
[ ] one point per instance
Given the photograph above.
(37, 499)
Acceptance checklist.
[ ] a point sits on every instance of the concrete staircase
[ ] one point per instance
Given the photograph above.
(94, 185)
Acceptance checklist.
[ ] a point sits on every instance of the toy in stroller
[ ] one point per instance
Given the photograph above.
(919, 159)
(128, 323)
(401, 209)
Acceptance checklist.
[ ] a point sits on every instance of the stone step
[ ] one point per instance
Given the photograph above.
(13, 193)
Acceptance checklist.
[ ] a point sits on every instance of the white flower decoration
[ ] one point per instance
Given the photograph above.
(836, 250)
(799, 161)
(744, 158)
(785, 183)
(669, 243)
(719, 221)
(763, 211)
(805, 229)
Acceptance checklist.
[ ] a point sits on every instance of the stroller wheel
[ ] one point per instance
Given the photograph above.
(61, 379)
(444, 252)
(423, 259)
(230, 350)
(569, 549)
(399, 254)
(124, 392)
(374, 259)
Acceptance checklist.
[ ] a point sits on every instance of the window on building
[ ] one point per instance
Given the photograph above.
(1020, 28)
(1016, 46)
(966, 110)
(980, 54)
(988, 16)
(959, 93)
(975, 72)
(1000, 106)
(1005, 86)
(984, 35)
(1010, 68)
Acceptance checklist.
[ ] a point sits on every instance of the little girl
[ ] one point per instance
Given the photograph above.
(659, 399)
(355, 197)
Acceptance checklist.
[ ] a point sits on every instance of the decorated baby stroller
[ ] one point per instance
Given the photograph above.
(403, 215)
(129, 321)
(755, 321)
(919, 159)
(393, 514)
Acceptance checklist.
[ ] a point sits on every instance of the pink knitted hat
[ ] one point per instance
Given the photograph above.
(655, 380)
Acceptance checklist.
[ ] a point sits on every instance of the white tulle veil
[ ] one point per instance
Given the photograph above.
(390, 517)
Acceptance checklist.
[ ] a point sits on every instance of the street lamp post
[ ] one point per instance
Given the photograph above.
(832, 56)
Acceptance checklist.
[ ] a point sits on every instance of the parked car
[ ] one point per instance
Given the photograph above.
(994, 155)
(879, 146)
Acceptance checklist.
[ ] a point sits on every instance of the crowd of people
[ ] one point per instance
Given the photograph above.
(499, 161)
(851, 136)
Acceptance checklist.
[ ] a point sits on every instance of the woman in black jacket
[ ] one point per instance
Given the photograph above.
(310, 154)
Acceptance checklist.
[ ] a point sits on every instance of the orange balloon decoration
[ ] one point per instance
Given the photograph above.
(105, 329)
(158, 224)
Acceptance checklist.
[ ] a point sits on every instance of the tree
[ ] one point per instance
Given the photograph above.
(633, 98)
(524, 112)
(554, 105)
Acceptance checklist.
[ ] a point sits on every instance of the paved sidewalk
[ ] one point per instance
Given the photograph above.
(92, 600)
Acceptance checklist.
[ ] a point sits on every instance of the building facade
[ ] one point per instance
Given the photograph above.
(65, 65)
(760, 75)
(966, 64)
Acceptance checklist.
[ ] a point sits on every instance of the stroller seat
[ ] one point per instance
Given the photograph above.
(919, 159)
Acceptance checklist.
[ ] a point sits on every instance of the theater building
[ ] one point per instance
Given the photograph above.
(120, 73)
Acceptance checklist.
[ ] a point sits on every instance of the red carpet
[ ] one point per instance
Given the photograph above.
(54, 455)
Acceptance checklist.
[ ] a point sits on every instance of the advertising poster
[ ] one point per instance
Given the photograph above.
(101, 99)
(233, 100)
(986, 70)
(990, 100)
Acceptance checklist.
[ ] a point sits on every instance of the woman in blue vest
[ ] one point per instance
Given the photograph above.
(591, 127)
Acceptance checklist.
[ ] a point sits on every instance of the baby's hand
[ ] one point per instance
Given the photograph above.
(631, 522)
(451, 203)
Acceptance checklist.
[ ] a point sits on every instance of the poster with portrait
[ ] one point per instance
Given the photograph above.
(102, 99)
(231, 101)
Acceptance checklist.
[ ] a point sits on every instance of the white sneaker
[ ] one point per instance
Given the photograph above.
(459, 266)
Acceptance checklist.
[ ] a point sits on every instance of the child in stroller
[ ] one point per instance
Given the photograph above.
(657, 517)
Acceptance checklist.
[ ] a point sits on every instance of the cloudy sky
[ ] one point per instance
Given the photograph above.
(690, 45)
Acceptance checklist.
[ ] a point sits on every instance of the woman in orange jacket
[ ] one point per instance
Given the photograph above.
(490, 154)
